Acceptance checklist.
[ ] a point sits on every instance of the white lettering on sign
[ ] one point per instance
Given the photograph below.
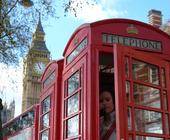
(134, 42)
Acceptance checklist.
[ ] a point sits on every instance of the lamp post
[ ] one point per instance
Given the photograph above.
(1, 107)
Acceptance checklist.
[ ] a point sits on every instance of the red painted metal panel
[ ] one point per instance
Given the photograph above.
(120, 52)
(79, 66)
(119, 98)
(52, 90)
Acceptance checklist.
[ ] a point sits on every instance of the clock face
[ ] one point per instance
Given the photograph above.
(39, 67)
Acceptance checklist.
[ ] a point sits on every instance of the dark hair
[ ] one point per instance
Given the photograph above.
(110, 91)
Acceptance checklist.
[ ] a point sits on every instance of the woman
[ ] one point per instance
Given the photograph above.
(107, 120)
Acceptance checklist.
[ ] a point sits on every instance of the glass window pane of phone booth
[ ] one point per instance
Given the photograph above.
(45, 118)
(146, 96)
(72, 103)
(46, 105)
(73, 82)
(148, 121)
(73, 126)
(146, 100)
(45, 135)
(45, 121)
(106, 96)
(145, 72)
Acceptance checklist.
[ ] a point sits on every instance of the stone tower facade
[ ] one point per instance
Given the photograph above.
(34, 64)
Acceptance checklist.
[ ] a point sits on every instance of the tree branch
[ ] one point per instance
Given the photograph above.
(5, 15)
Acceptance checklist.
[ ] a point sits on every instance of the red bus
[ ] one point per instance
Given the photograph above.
(23, 127)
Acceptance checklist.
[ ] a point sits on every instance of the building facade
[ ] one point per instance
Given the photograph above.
(155, 19)
(34, 65)
(8, 112)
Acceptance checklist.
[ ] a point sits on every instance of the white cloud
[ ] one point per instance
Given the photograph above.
(96, 11)
(11, 85)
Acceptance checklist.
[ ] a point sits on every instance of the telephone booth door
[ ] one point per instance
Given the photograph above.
(142, 97)
(74, 89)
(50, 102)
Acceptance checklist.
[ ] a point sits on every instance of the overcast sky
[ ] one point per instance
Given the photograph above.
(58, 33)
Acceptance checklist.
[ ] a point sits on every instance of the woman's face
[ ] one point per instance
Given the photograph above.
(106, 102)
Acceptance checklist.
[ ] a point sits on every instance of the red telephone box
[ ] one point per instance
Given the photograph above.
(131, 60)
(50, 102)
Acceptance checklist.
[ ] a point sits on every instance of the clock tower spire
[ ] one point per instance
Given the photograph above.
(34, 64)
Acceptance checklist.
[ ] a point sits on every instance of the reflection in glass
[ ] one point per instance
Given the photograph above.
(145, 72)
(163, 77)
(73, 126)
(20, 123)
(73, 104)
(30, 118)
(73, 82)
(148, 121)
(46, 105)
(49, 80)
(128, 91)
(26, 120)
(147, 138)
(23, 134)
(146, 96)
(45, 121)
(129, 119)
(44, 135)
(77, 50)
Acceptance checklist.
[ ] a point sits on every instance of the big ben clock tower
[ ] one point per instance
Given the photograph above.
(34, 65)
